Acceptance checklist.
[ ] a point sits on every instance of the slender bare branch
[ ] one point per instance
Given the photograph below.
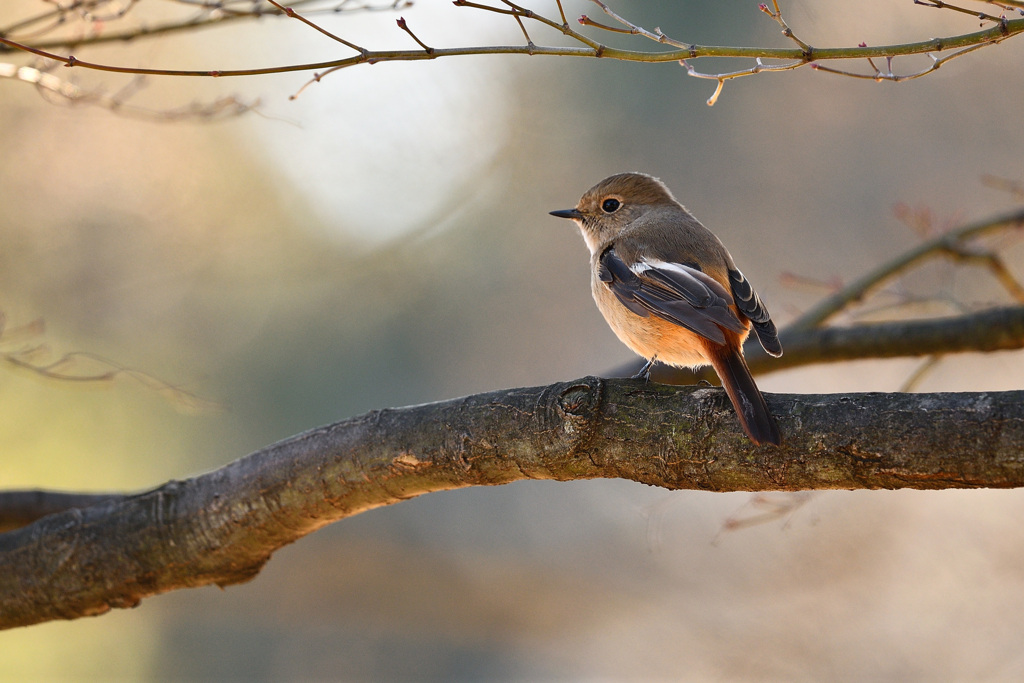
(939, 4)
(67, 92)
(288, 11)
(1014, 187)
(1007, 4)
(584, 46)
(20, 348)
(212, 13)
(996, 329)
(991, 262)
(759, 67)
(918, 375)
(656, 35)
(402, 24)
(786, 30)
(859, 289)
(888, 75)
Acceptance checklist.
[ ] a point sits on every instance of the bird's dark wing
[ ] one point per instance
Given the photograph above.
(749, 304)
(679, 293)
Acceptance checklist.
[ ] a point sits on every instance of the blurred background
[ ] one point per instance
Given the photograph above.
(384, 240)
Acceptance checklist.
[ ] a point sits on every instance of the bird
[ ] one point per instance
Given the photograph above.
(671, 291)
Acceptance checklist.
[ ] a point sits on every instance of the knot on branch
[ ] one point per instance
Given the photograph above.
(570, 409)
(579, 401)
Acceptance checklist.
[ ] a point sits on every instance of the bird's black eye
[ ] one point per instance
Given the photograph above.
(610, 205)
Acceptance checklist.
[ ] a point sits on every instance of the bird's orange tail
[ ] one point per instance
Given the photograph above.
(746, 398)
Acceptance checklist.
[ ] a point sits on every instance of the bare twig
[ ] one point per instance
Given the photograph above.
(1007, 4)
(70, 93)
(939, 4)
(656, 35)
(211, 13)
(786, 30)
(759, 67)
(888, 75)
(920, 373)
(991, 262)
(860, 288)
(767, 507)
(561, 13)
(69, 368)
(77, 366)
(402, 24)
(791, 58)
(1014, 187)
(288, 11)
(587, 21)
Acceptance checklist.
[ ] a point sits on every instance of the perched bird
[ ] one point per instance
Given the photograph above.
(671, 291)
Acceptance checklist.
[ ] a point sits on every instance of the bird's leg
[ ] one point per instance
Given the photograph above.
(645, 371)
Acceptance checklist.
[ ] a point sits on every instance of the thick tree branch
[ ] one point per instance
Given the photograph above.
(998, 329)
(222, 527)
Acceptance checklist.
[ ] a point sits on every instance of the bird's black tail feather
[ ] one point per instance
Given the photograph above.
(746, 398)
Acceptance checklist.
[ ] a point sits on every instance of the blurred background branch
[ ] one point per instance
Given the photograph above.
(21, 348)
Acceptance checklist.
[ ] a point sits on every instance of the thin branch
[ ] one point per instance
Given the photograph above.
(561, 12)
(405, 27)
(916, 377)
(288, 11)
(1014, 187)
(786, 30)
(29, 355)
(991, 262)
(767, 507)
(67, 92)
(859, 289)
(656, 35)
(68, 368)
(591, 48)
(992, 330)
(1006, 4)
(758, 67)
(213, 13)
(879, 75)
(222, 527)
(988, 331)
(939, 4)
(522, 26)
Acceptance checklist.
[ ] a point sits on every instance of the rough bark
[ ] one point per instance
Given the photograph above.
(223, 526)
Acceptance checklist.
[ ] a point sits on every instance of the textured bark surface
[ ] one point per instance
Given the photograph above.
(223, 526)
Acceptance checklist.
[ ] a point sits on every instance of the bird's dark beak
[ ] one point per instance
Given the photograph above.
(567, 213)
